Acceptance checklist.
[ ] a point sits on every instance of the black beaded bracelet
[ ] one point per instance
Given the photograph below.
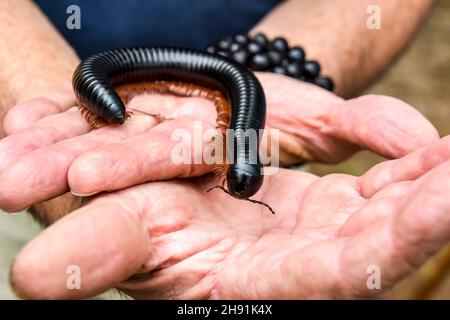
(261, 54)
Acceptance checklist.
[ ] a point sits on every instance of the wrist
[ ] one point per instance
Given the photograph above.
(315, 50)
(260, 53)
(34, 58)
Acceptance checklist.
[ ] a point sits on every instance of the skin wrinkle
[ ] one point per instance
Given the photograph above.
(422, 224)
(214, 270)
(173, 226)
(170, 261)
(395, 255)
(397, 189)
(320, 150)
(162, 268)
(395, 151)
(340, 282)
(300, 205)
(10, 124)
(327, 181)
(408, 264)
(305, 139)
(387, 179)
(354, 221)
(250, 287)
(255, 239)
(254, 291)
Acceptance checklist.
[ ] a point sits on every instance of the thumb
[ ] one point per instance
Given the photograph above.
(95, 247)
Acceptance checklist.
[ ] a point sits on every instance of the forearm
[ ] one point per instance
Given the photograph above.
(34, 58)
(336, 34)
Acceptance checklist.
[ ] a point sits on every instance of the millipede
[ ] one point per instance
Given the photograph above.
(104, 83)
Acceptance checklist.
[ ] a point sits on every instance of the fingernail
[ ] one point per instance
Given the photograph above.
(80, 194)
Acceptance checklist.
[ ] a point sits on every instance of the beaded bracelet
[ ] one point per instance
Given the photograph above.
(260, 54)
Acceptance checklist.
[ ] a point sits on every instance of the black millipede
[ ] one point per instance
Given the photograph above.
(105, 82)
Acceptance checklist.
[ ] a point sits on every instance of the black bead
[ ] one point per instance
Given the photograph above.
(312, 68)
(259, 62)
(279, 44)
(235, 47)
(254, 48)
(211, 49)
(241, 38)
(225, 44)
(279, 70)
(324, 82)
(296, 54)
(261, 39)
(275, 57)
(285, 62)
(240, 56)
(294, 69)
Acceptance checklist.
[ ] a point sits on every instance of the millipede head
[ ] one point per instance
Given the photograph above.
(244, 180)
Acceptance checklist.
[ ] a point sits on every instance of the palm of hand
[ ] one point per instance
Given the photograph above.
(174, 240)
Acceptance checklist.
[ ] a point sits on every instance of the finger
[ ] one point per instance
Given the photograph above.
(42, 174)
(407, 168)
(25, 114)
(57, 125)
(407, 240)
(384, 125)
(164, 105)
(423, 225)
(103, 243)
(381, 205)
(45, 132)
(154, 155)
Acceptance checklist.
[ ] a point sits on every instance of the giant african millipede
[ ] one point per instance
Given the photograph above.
(105, 82)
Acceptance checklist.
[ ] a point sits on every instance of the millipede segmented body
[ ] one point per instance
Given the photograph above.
(97, 78)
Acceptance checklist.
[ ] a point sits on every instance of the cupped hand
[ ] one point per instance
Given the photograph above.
(173, 240)
(50, 148)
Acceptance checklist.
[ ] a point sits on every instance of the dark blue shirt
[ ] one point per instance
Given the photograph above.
(109, 24)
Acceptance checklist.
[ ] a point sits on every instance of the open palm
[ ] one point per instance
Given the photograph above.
(173, 240)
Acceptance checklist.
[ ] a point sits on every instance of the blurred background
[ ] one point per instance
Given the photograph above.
(421, 77)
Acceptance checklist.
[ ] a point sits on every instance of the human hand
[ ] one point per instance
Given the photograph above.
(173, 240)
(50, 148)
